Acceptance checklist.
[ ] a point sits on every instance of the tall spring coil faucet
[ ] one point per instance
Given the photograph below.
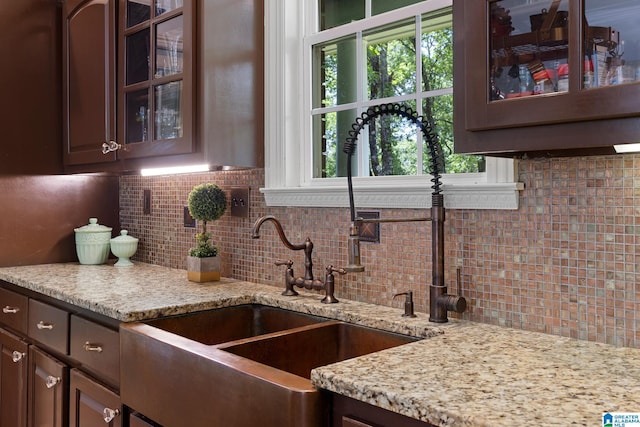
(440, 302)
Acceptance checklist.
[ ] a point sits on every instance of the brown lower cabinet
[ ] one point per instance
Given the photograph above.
(347, 412)
(57, 368)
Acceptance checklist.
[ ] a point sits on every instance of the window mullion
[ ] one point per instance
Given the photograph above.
(419, 109)
(361, 81)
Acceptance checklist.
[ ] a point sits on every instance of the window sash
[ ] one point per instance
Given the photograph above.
(290, 29)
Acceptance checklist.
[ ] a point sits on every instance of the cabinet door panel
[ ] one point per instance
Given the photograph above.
(47, 390)
(14, 370)
(156, 66)
(89, 80)
(91, 404)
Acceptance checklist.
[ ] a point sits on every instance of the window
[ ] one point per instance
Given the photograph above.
(328, 61)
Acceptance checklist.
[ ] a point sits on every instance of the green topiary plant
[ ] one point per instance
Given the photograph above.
(207, 202)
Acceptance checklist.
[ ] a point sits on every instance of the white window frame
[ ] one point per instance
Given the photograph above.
(288, 151)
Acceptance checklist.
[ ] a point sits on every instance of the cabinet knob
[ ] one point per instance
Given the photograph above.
(109, 414)
(17, 356)
(92, 347)
(110, 146)
(51, 381)
(10, 310)
(44, 325)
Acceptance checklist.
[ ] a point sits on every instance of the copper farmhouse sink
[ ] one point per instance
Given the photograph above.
(299, 351)
(237, 366)
(233, 323)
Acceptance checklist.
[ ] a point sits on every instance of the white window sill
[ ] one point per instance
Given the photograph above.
(456, 196)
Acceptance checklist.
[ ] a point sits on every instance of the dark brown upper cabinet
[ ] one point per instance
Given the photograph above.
(189, 87)
(31, 74)
(89, 86)
(546, 77)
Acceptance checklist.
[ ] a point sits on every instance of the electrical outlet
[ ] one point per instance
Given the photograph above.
(189, 221)
(146, 202)
(240, 201)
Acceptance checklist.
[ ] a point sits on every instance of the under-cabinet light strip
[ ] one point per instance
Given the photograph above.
(174, 170)
(627, 148)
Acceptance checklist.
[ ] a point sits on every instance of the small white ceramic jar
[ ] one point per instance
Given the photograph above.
(124, 247)
(92, 243)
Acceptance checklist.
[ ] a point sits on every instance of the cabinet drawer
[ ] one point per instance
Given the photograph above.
(97, 348)
(14, 310)
(49, 326)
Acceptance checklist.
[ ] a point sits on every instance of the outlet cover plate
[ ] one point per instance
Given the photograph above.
(189, 221)
(369, 231)
(240, 202)
(146, 202)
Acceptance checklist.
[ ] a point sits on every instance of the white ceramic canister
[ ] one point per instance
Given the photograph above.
(124, 247)
(92, 243)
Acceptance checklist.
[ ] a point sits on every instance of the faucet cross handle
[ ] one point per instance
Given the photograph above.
(331, 269)
(289, 279)
(288, 263)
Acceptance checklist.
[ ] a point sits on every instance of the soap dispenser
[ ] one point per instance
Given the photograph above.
(408, 303)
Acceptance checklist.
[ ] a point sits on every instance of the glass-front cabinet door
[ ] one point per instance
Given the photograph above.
(156, 77)
(544, 62)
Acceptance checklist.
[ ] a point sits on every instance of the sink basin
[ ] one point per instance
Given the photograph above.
(298, 352)
(233, 323)
(237, 366)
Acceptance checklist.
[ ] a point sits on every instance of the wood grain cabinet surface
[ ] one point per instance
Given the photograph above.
(501, 106)
(91, 404)
(14, 370)
(13, 313)
(187, 89)
(89, 85)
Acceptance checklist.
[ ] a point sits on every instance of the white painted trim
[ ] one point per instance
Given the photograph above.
(487, 196)
(286, 24)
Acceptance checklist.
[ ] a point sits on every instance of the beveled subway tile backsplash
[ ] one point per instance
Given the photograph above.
(567, 262)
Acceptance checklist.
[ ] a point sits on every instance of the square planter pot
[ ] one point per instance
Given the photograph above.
(203, 269)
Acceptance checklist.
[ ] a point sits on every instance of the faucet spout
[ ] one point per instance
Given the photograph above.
(307, 246)
(255, 231)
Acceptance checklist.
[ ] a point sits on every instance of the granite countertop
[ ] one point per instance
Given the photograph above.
(464, 374)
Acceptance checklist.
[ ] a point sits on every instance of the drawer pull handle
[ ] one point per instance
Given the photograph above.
(10, 310)
(17, 356)
(43, 325)
(109, 414)
(92, 347)
(51, 381)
